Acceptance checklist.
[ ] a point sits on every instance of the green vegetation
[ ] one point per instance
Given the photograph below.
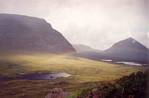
(82, 70)
(132, 86)
(85, 74)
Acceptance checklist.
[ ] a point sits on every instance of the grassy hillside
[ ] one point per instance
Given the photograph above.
(81, 69)
(85, 74)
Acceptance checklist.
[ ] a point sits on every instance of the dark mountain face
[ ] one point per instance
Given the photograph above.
(20, 33)
(128, 45)
(128, 50)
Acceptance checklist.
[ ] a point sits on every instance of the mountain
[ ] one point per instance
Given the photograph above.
(128, 50)
(19, 33)
(83, 48)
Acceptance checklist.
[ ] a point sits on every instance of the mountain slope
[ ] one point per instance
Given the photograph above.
(20, 33)
(128, 50)
(83, 48)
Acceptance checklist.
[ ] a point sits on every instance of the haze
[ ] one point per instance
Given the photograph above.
(97, 23)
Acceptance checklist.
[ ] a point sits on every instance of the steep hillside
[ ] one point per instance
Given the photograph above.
(20, 33)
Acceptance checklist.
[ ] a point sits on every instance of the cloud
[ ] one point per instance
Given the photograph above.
(142, 37)
(97, 23)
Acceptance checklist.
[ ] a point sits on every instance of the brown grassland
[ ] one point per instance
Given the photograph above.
(85, 73)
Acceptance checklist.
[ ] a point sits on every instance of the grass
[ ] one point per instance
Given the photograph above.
(85, 73)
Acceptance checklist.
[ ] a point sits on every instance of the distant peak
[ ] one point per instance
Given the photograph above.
(130, 38)
(129, 43)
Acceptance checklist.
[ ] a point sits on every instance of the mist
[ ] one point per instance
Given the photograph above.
(96, 23)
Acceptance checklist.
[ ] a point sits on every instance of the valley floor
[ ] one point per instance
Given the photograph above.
(85, 74)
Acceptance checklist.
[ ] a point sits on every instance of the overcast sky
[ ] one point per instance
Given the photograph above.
(97, 23)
